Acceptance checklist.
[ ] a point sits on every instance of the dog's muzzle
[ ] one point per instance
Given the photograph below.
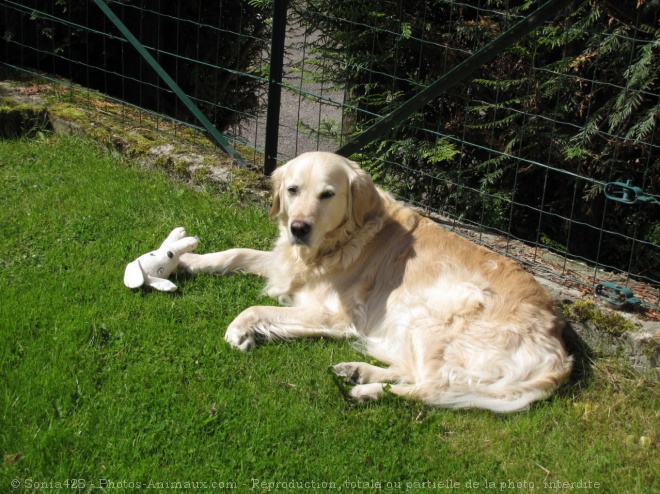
(300, 231)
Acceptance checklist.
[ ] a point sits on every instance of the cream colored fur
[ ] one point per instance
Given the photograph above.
(456, 324)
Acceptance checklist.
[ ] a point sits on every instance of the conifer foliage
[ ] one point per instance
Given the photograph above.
(525, 145)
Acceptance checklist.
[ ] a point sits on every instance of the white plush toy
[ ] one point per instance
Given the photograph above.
(152, 269)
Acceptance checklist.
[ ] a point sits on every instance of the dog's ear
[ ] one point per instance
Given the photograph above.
(276, 184)
(364, 200)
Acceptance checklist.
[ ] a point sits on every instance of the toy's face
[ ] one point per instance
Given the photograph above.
(159, 259)
(158, 263)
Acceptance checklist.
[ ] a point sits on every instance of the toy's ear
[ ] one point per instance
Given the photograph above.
(160, 284)
(133, 275)
(176, 234)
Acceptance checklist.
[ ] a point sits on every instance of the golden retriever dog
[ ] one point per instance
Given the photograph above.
(457, 325)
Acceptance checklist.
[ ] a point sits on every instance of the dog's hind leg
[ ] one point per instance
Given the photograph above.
(373, 391)
(363, 373)
(371, 381)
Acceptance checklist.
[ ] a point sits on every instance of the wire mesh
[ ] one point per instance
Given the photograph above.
(216, 52)
(518, 157)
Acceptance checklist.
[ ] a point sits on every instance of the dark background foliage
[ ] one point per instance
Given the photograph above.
(211, 49)
(505, 150)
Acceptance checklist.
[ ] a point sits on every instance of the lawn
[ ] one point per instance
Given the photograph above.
(103, 386)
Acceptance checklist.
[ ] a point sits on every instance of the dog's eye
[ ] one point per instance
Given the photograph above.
(292, 190)
(327, 194)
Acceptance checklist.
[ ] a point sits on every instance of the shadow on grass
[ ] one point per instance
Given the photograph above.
(583, 358)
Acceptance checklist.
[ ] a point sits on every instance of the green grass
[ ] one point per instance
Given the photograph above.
(105, 384)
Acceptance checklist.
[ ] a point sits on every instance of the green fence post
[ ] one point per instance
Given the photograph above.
(275, 85)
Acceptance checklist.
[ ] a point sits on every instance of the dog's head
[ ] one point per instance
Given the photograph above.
(319, 192)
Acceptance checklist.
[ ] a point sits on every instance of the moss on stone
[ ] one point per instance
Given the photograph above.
(67, 111)
(182, 152)
(651, 347)
(20, 119)
(606, 321)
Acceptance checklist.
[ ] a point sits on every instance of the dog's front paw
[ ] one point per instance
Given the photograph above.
(240, 338)
(187, 263)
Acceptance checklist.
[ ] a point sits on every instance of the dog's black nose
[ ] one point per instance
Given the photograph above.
(300, 229)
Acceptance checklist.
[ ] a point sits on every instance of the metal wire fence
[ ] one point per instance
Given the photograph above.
(548, 153)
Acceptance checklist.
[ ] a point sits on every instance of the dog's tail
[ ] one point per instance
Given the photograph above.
(509, 402)
(455, 399)
(508, 393)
